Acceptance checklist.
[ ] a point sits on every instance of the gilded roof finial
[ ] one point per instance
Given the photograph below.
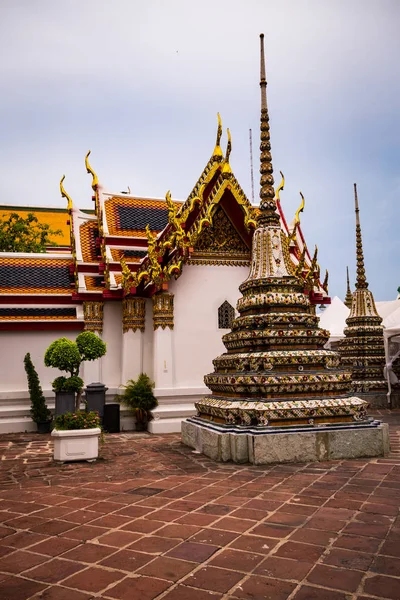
(349, 295)
(280, 187)
(64, 194)
(300, 209)
(361, 282)
(325, 284)
(227, 167)
(89, 169)
(268, 214)
(217, 154)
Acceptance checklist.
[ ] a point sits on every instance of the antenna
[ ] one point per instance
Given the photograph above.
(251, 166)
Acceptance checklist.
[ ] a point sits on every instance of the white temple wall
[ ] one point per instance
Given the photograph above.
(112, 360)
(148, 344)
(14, 345)
(197, 340)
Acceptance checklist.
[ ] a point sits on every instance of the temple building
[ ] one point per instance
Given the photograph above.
(276, 393)
(362, 350)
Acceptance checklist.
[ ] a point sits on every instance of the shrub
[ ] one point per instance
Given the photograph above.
(90, 346)
(78, 420)
(139, 398)
(67, 384)
(39, 411)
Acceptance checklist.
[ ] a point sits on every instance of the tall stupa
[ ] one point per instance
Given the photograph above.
(275, 376)
(362, 350)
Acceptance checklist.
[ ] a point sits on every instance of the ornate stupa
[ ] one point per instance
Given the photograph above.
(275, 370)
(349, 296)
(362, 349)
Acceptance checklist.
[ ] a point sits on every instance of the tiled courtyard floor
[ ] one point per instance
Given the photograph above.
(152, 519)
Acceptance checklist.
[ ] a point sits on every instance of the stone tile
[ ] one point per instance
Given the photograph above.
(56, 592)
(20, 561)
(133, 511)
(271, 530)
(182, 532)
(339, 579)
(127, 560)
(214, 579)
(142, 526)
(215, 537)
(89, 553)
(93, 579)
(348, 559)
(299, 551)
(236, 560)
(193, 551)
(54, 570)
(307, 592)
(16, 588)
(23, 539)
(54, 546)
(253, 543)
(263, 587)
(165, 515)
(391, 548)
(382, 587)
(283, 518)
(138, 588)
(360, 543)
(312, 536)
(366, 529)
(234, 524)
(196, 518)
(154, 545)
(171, 569)
(118, 538)
(182, 592)
(54, 527)
(216, 509)
(385, 565)
(110, 521)
(284, 568)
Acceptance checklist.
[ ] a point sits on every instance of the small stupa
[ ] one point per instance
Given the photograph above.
(349, 296)
(362, 350)
(276, 377)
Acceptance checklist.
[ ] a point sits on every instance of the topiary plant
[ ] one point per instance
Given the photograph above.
(68, 356)
(139, 398)
(39, 411)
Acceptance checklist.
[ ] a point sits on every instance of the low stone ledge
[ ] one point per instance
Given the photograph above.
(313, 445)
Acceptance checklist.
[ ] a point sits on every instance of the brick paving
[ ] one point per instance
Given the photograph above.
(153, 519)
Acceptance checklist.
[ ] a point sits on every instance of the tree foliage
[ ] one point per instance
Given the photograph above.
(25, 234)
(39, 411)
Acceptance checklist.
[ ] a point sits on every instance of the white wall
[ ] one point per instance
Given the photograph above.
(14, 345)
(148, 343)
(199, 292)
(112, 336)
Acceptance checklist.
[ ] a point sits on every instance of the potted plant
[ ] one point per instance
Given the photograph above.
(139, 398)
(67, 356)
(76, 436)
(41, 415)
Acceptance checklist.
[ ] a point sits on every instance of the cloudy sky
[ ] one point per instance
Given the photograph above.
(140, 83)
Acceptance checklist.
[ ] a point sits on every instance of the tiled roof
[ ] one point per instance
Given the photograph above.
(129, 216)
(88, 233)
(131, 256)
(34, 275)
(94, 283)
(37, 313)
(56, 218)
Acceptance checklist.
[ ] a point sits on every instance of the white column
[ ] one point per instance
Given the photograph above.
(163, 320)
(91, 371)
(133, 324)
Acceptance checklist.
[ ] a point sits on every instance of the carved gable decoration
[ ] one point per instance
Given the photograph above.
(220, 243)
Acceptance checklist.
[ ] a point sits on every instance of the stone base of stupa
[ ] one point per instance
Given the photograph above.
(304, 443)
(374, 399)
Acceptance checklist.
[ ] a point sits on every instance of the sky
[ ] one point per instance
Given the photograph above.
(140, 84)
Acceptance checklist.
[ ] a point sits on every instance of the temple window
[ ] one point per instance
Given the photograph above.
(226, 314)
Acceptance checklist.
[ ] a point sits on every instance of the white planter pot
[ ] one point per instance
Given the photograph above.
(76, 444)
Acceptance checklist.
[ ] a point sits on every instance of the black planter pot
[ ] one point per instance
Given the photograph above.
(65, 402)
(44, 426)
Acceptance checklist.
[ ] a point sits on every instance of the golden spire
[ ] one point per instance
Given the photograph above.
(361, 282)
(268, 214)
(89, 169)
(300, 209)
(217, 154)
(64, 194)
(349, 295)
(227, 167)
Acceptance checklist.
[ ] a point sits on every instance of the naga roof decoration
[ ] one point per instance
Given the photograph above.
(275, 368)
(362, 349)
